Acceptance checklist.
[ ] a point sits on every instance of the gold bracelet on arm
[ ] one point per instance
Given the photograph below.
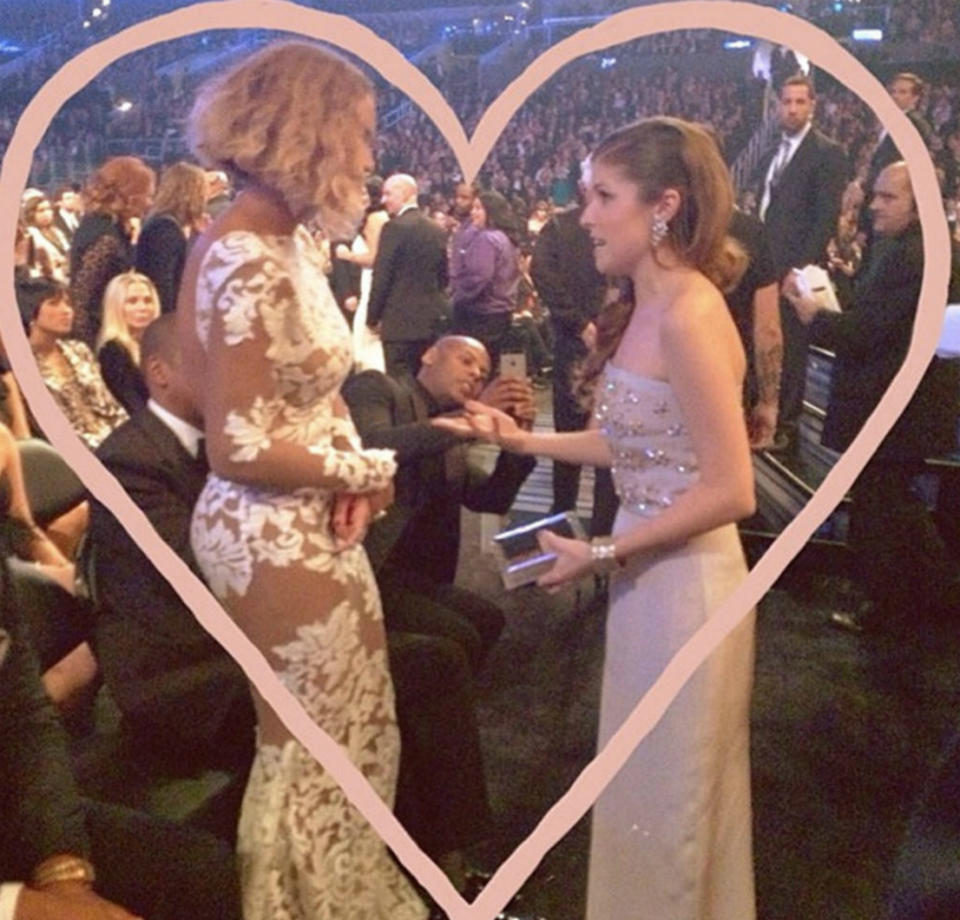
(63, 868)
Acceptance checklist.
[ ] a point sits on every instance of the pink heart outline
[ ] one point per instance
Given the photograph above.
(353, 37)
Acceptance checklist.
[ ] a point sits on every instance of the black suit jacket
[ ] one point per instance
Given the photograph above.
(422, 528)
(165, 672)
(60, 222)
(870, 341)
(802, 214)
(160, 255)
(887, 151)
(40, 810)
(410, 276)
(565, 273)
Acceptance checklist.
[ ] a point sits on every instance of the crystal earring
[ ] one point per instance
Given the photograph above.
(658, 231)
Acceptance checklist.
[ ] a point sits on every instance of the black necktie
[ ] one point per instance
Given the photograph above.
(201, 456)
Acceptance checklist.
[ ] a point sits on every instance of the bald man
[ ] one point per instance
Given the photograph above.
(408, 291)
(899, 554)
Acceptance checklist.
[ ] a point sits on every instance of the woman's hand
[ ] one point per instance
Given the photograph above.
(574, 560)
(349, 519)
(486, 423)
(352, 514)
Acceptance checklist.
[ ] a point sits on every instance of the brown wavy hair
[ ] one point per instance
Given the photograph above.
(112, 188)
(287, 116)
(663, 153)
(182, 193)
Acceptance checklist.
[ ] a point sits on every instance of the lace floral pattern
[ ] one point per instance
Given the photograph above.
(268, 554)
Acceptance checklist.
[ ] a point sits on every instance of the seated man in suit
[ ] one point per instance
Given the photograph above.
(414, 549)
(179, 691)
(183, 694)
(63, 858)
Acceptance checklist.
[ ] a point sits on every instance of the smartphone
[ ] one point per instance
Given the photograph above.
(513, 364)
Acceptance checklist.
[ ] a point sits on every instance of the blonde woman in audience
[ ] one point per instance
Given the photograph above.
(130, 304)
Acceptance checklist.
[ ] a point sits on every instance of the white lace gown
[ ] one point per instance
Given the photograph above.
(367, 346)
(671, 835)
(306, 853)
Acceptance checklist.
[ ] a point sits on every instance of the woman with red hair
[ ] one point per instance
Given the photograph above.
(117, 195)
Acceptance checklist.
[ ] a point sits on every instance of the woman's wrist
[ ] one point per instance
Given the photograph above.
(603, 554)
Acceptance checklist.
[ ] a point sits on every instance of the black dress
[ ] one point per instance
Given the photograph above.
(122, 376)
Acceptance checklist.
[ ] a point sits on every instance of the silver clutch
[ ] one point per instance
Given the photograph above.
(521, 560)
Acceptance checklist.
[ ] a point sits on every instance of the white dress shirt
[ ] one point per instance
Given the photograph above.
(184, 432)
(781, 161)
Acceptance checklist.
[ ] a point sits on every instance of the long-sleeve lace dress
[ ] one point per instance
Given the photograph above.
(269, 326)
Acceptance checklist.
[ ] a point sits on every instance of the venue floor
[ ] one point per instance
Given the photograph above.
(845, 731)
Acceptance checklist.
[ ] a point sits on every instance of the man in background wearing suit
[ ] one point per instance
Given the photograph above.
(900, 557)
(410, 275)
(906, 90)
(68, 208)
(182, 695)
(801, 183)
(572, 289)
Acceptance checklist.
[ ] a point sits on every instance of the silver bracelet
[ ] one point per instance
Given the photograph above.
(603, 552)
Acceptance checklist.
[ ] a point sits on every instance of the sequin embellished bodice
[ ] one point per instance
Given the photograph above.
(653, 458)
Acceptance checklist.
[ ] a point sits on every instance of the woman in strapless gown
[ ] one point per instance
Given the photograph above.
(276, 530)
(671, 835)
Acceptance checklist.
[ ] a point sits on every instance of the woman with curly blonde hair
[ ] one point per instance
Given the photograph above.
(277, 529)
(117, 196)
(671, 833)
(130, 304)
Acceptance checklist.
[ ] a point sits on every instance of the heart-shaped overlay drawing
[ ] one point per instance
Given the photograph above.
(746, 18)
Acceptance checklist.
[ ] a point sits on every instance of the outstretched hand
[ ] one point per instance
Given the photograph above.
(574, 560)
(484, 422)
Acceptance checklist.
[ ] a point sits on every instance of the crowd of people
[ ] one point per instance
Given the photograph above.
(284, 366)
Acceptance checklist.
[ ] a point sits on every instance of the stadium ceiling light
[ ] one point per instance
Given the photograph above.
(105, 2)
(86, 23)
(97, 12)
(124, 105)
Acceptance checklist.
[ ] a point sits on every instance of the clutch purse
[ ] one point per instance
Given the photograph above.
(521, 560)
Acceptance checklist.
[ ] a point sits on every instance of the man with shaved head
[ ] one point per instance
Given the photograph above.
(414, 551)
(416, 545)
(899, 554)
(408, 290)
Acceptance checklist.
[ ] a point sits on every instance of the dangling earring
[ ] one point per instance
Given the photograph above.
(658, 231)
